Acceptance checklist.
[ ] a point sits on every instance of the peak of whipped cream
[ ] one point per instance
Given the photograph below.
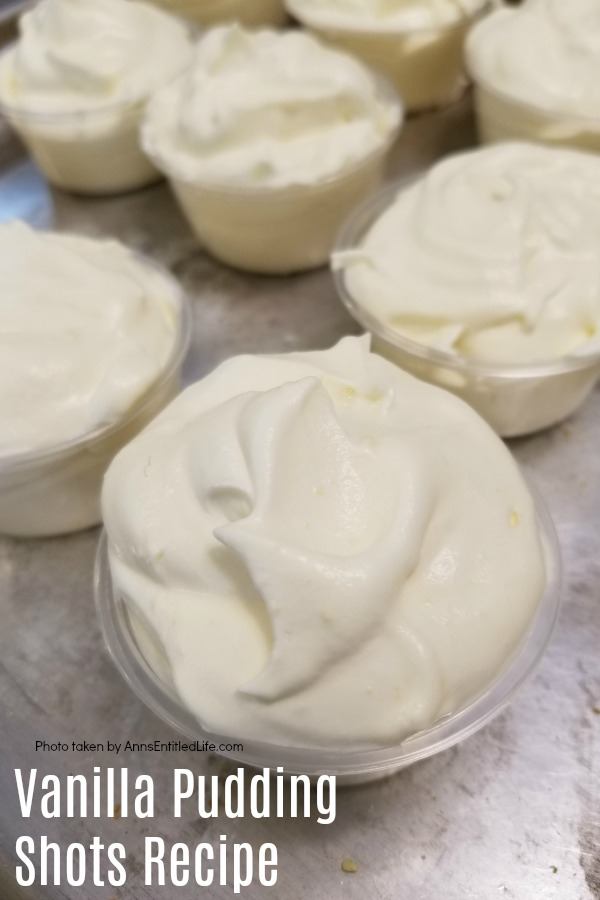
(318, 549)
(382, 15)
(545, 52)
(494, 254)
(85, 328)
(76, 55)
(268, 108)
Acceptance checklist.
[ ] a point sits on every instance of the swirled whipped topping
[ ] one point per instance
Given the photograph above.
(494, 255)
(383, 15)
(78, 55)
(267, 108)
(327, 551)
(85, 328)
(545, 52)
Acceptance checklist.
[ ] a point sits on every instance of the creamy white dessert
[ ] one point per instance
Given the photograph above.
(417, 43)
(492, 257)
(269, 109)
(537, 70)
(326, 551)
(252, 13)
(87, 330)
(269, 138)
(383, 15)
(494, 254)
(75, 82)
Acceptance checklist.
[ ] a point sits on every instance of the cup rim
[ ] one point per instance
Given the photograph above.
(294, 8)
(447, 732)
(387, 92)
(350, 237)
(12, 461)
(544, 110)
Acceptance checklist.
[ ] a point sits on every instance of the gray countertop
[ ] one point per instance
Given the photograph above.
(512, 813)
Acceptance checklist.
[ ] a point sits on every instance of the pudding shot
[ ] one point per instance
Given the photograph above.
(75, 83)
(303, 566)
(483, 276)
(92, 342)
(269, 140)
(536, 69)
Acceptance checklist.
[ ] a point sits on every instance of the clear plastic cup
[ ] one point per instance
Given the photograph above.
(278, 230)
(514, 399)
(426, 65)
(502, 117)
(96, 152)
(92, 152)
(56, 490)
(147, 673)
(250, 13)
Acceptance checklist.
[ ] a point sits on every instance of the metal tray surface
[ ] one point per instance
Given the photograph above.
(514, 813)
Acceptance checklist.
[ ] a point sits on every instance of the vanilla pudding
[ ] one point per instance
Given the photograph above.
(325, 551)
(92, 338)
(269, 139)
(75, 83)
(418, 44)
(537, 73)
(251, 13)
(484, 276)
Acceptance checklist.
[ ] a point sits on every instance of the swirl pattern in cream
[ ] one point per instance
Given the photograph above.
(85, 329)
(267, 108)
(545, 52)
(494, 254)
(75, 55)
(315, 568)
